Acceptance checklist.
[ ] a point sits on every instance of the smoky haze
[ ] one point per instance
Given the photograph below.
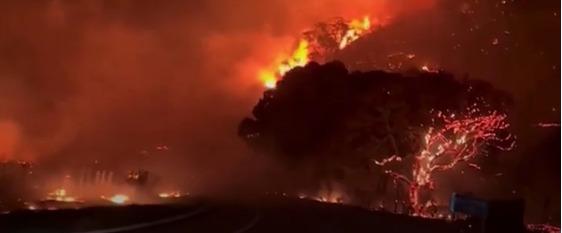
(110, 81)
(113, 81)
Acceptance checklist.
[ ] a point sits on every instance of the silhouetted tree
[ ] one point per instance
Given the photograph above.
(324, 38)
(342, 120)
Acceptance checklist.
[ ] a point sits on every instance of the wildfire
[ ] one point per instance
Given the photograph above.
(301, 54)
(60, 195)
(329, 198)
(429, 69)
(356, 29)
(174, 194)
(333, 196)
(268, 78)
(31, 206)
(299, 57)
(458, 140)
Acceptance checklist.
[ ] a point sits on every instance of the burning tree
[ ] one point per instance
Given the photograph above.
(453, 140)
(348, 121)
(317, 44)
(327, 38)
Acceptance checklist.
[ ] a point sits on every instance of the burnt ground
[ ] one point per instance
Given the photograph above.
(280, 215)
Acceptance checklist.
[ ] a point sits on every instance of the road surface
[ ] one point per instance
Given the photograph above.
(282, 215)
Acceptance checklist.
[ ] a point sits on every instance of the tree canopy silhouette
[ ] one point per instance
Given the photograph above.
(327, 113)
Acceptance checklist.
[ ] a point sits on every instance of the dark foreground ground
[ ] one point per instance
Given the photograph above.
(281, 215)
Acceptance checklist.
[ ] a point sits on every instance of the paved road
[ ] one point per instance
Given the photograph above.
(229, 217)
(291, 216)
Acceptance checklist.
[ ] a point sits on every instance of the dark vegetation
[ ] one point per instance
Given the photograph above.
(338, 121)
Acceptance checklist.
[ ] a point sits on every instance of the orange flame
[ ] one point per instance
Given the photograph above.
(60, 195)
(301, 54)
(357, 28)
(299, 57)
(173, 194)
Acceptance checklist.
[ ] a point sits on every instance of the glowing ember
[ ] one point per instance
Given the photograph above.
(543, 228)
(31, 206)
(329, 199)
(427, 68)
(174, 194)
(388, 160)
(457, 140)
(119, 199)
(323, 196)
(548, 125)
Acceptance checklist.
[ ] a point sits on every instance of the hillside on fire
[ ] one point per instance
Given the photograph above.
(244, 116)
